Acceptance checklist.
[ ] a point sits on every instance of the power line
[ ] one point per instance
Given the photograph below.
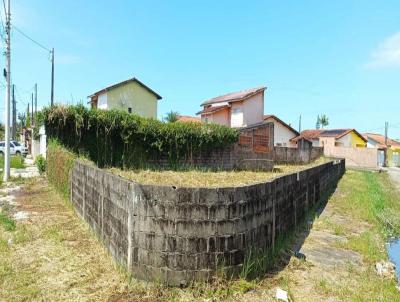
(31, 39)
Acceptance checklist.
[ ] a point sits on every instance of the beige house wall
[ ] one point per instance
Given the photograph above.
(355, 157)
(220, 117)
(253, 109)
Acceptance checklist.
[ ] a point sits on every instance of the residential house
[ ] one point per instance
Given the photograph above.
(236, 109)
(131, 95)
(311, 135)
(333, 138)
(283, 133)
(343, 143)
(390, 146)
(187, 118)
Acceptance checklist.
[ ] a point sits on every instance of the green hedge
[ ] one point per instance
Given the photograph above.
(59, 163)
(119, 139)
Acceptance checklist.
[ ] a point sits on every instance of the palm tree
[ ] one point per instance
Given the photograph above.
(318, 124)
(171, 117)
(324, 120)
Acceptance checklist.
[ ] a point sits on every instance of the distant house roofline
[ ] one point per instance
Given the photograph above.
(315, 134)
(188, 118)
(341, 133)
(214, 109)
(380, 139)
(123, 83)
(281, 122)
(235, 96)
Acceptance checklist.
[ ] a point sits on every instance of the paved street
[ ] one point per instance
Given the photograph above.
(394, 174)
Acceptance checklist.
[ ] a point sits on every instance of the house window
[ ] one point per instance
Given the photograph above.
(129, 110)
(237, 117)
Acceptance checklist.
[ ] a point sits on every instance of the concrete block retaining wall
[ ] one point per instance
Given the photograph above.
(175, 235)
(232, 157)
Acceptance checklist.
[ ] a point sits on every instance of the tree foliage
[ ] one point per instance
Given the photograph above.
(324, 120)
(172, 117)
(119, 139)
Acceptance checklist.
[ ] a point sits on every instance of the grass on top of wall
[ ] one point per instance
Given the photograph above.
(204, 178)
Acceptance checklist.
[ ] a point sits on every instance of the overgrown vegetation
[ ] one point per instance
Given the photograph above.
(58, 165)
(119, 139)
(16, 161)
(40, 162)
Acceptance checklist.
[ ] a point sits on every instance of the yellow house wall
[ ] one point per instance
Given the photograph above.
(132, 95)
(356, 140)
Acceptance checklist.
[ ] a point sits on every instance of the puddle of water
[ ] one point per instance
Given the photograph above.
(394, 255)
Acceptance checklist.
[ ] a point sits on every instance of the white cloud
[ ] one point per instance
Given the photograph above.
(387, 54)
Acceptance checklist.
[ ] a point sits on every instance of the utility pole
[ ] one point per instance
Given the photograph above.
(14, 114)
(52, 77)
(386, 145)
(32, 117)
(6, 173)
(300, 123)
(35, 99)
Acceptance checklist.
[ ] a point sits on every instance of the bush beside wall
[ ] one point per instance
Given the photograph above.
(58, 167)
(119, 139)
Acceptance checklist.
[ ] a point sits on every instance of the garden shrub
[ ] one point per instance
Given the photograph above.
(58, 166)
(40, 163)
(116, 138)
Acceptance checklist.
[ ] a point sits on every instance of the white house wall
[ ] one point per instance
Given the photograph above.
(282, 134)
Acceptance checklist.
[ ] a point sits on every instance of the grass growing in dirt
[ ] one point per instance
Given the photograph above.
(16, 162)
(6, 222)
(204, 178)
(369, 208)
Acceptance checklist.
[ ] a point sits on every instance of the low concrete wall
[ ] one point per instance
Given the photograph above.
(296, 155)
(175, 235)
(355, 157)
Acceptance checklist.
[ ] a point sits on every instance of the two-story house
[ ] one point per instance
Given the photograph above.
(236, 109)
(130, 95)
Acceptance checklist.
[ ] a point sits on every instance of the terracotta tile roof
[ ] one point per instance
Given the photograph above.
(312, 134)
(271, 116)
(212, 109)
(123, 83)
(380, 139)
(187, 118)
(234, 96)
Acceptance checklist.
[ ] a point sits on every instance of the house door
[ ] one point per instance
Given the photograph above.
(381, 158)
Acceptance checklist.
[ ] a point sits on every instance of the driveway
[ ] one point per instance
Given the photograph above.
(394, 174)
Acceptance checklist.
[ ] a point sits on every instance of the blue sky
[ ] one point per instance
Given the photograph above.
(339, 58)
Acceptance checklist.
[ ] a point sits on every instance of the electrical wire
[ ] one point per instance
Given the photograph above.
(31, 39)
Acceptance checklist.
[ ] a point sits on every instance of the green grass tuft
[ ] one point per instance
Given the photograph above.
(7, 223)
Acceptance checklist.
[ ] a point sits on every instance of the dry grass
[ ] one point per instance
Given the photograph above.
(199, 178)
(55, 257)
